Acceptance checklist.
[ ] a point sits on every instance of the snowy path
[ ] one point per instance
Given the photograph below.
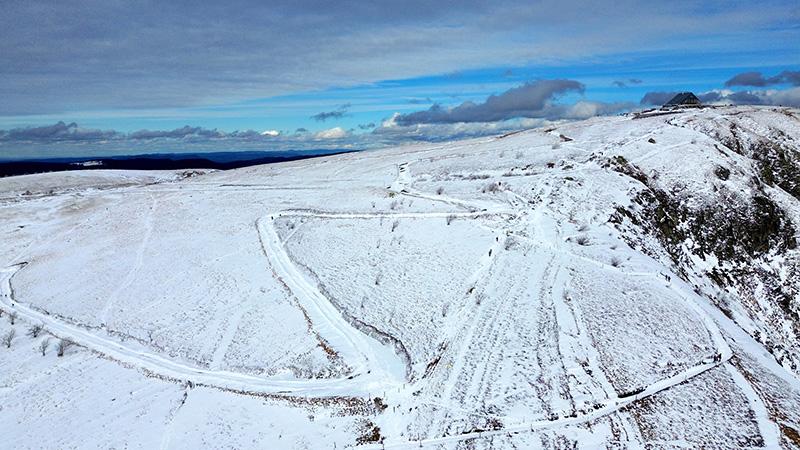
(364, 354)
(374, 365)
(548, 235)
(767, 428)
(402, 186)
(142, 357)
(607, 407)
(575, 346)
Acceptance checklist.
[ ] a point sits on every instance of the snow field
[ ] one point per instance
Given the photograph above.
(488, 317)
(82, 400)
(394, 280)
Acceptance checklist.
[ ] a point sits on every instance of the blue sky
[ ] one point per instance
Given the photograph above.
(99, 78)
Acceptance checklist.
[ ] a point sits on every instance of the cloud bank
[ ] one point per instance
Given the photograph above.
(768, 97)
(72, 140)
(59, 132)
(757, 79)
(526, 106)
(532, 100)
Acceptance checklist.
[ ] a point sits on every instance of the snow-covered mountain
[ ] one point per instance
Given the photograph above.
(621, 282)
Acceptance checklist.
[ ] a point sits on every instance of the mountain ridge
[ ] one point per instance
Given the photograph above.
(622, 281)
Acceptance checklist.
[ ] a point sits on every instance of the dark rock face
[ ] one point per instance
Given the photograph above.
(737, 247)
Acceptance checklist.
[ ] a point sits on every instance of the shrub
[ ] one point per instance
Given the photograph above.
(451, 218)
(35, 330)
(582, 240)
(44, 345)
(8, 338)
(510, 243)
(369, 433)
(440, 190)
(12, 317)
(722, 173)
(491, 187)
(616, 262)
(395, 224)
(62, 346)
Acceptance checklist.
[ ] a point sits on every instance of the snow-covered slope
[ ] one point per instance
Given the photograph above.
(624, 281)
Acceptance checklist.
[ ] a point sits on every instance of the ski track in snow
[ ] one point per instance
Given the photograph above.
(375, 366)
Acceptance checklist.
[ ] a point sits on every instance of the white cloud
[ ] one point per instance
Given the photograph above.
(584, 109)
(333, 133)
(786, 97)
(391, 132)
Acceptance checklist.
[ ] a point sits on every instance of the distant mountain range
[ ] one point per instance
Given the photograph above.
(160, 161)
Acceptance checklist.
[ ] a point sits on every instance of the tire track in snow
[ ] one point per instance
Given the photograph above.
(167, 436)
(112, 299)
(679, 287)
(605, 407)
(578, 354)
(602, 407)
(611, 404)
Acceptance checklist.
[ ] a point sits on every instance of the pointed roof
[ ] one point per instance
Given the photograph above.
(683, 98)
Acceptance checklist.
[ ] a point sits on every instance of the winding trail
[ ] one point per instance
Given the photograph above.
(375, 366)
(368, 358)
(358, 383)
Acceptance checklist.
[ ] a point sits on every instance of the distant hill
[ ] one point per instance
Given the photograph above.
(219, 160)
